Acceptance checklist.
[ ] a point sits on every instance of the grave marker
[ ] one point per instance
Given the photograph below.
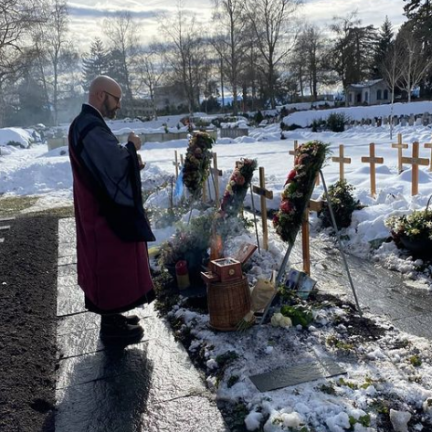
(400, 146)
(429, 146)
(216, 173)
(342, 160)
(315, 206)
(264, 194)
(372, 160)
(176, 164)
(415, 161)
(293, 152)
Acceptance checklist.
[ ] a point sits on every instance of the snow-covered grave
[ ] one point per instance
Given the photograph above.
(380, 370)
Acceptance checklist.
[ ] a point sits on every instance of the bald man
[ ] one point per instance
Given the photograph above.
(111, 225)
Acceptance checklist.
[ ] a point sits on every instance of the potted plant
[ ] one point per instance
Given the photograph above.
(413, 231)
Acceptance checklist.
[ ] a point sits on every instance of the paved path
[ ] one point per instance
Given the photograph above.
(151, 386)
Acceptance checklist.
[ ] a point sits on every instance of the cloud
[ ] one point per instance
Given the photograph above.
(89, 12)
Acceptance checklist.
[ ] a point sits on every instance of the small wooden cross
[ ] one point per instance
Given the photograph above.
(400, 146)
(176, 164)
(372, 160)
(313, 206)
(415, 161)
(293, 152)
(342, 160)
(264, 194)
(216, 173)
(429, 146)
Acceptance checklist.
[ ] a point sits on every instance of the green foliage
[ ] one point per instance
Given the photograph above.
(343, 205)
(327, 388)
(363, 420)
(335, 342)
(224, 359)
(233, 379)
(336, 122)
(299, 314)
(258, 117)
(318, 125)
(415, 360)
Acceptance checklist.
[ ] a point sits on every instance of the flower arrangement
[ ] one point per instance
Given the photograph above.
(343, 205)
(414, 231)
(298, 188)
(197, 163)
(237, 188)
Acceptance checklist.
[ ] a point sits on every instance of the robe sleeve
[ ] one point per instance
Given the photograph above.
(110, 164)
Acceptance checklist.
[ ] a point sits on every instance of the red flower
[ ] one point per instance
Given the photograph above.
(286, 206)
(291, 175)
(275, 220)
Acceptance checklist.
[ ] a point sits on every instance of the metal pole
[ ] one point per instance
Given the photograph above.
(340, 243)
(255, 219)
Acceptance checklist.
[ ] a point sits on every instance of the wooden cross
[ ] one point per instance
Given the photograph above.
(372, 160)
(342, 160)
(176, 164)
(415, 161)
(264, 194)
(216, 173)
(429, 146)
(400, 146)
(313, 206)
(293, 152)
(181, 160)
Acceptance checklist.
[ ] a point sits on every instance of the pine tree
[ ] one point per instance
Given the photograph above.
(95, 63)
(384, 42)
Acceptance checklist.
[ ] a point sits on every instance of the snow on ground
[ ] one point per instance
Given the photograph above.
(380, 370)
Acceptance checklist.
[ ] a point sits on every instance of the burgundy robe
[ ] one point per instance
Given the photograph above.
(111, 226)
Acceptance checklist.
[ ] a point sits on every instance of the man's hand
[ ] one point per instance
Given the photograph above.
(135, 140)
(141, 164)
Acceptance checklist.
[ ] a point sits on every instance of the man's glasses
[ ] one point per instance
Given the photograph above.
(116, 98)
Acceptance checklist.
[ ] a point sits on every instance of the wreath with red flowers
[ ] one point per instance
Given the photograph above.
(197, 163)
(298, 188)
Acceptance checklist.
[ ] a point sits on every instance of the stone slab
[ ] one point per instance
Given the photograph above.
(294, 375)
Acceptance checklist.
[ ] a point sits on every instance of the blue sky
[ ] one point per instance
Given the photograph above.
(86, 15)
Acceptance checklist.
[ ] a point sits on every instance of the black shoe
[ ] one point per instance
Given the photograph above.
(115, 329)
(131, 319)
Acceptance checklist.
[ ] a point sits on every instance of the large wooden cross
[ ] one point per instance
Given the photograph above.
(342, 160)
(264, 194)
(429, 146)
(176, 164)
(293, 152)
(415, 161)
(372, 161)
(216, 173)
(400, 146)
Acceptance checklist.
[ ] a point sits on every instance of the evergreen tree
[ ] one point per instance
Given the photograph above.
(95, 63)
(384, 43)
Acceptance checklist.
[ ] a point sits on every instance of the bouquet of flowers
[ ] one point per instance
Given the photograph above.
(414, 231)
(197, 163)
(298, 188)
(237, 187)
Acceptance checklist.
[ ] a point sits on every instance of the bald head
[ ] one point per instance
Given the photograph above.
(105, 95)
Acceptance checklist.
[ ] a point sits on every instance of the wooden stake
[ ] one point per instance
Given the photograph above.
(342, 160)
(176, 164)
(264, 194)
(400, 146)
(415, 161)
(181, 160)
(372, 160)
(216, 173)
(429, 146)
(313, 206)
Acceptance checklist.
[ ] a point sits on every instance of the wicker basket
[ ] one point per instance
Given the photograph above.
(228, 303)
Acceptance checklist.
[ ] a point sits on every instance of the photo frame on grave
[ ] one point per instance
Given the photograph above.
(305, 285)
(292, 279)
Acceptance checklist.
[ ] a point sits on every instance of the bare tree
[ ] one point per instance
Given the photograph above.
(187, 53)
(17, 18)
(391, 70)
(416, 63)
(151, 70)
(271, 21)
(230, 40)
(121, 30)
